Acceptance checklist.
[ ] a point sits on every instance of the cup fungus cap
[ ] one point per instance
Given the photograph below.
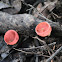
(43, 29)
(11, 37)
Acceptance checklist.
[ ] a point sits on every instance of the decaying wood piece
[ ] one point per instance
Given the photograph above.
(23, 23)
(46, 9)
(15, 6)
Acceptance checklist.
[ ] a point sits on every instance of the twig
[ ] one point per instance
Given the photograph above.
(38, 53)
(56, 15)
(49, 49)
(36, 37)
(24, 51)
(49, 59)
(43, 55)
(36, 58)
(54, 47)
(49, 52)
(39, 46)
(27, 4)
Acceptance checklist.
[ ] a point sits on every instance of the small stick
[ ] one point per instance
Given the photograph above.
(38, 53)
(39, 46)
(51, 60)
(54, 47)
(36, 58)
(51, 57)
(49, 49)
(56, 15)
(39, 39)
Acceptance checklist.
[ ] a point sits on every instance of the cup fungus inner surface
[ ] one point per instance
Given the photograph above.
(11, 37)
(42, 28)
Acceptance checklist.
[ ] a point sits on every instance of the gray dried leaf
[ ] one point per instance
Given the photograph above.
(3, 5)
